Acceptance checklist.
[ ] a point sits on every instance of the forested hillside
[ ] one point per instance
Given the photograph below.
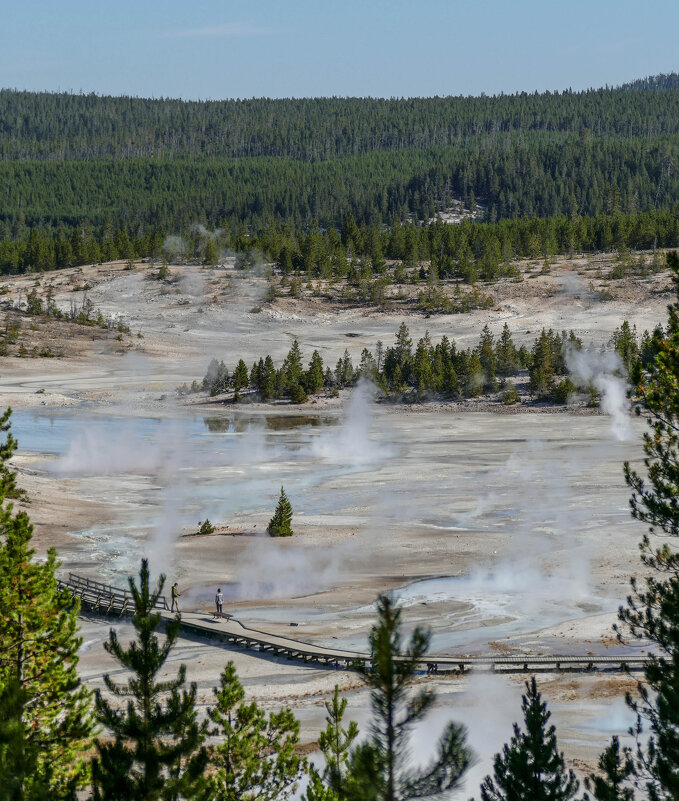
(136, 170)
(63, 126)
(532, 175)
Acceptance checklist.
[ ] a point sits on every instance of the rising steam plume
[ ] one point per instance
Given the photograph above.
(603, 370)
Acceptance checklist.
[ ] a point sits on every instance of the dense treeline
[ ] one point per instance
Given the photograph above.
(662, 81)
(429, 370)
(401, 371)
(60, 126)
(467, 251)
(526, 175)
(95, 178)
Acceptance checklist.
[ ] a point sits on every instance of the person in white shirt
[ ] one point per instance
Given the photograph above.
(219, 600)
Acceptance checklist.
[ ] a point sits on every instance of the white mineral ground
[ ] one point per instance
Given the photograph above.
(523, 517)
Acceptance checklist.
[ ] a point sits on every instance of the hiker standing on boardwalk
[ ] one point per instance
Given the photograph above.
(175, 596)
(219, 601)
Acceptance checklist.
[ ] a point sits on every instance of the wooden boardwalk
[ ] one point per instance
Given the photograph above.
(108, 600)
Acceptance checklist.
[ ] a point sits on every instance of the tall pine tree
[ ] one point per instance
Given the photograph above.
(652, 612)
(379, 768)
(8, 485)
(46, 713)
(615, 769)
(335, 743)
(280, 524)
(530, 766)
(157, 753)
(256, 757)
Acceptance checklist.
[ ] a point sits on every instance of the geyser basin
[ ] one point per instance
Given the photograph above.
(529, 511)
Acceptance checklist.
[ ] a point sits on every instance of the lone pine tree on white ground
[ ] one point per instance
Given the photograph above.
(280, 524)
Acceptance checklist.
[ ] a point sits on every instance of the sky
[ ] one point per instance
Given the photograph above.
(214, 49)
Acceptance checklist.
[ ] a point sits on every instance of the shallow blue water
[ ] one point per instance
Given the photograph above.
(257, 451)
(52, 431)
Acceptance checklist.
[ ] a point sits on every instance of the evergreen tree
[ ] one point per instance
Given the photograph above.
(298, 394)
(487, 358)
(421, 366)
(21, 776)
(368, 366)
(335, 743)
(460, 363)
(280, 524)
(564, 390)
(317, 790)
(506, 353)
(624, 341)
(313, 378)
(292, 366)
(510, 395)
(281, 386)
(257, 758)
(210, 253)
(524, 357)
(648, 350)
(157, 753)
(475, 375)
(403, 344)
(379, 355)
(616, 767)
(378, 769)
(8, 485)
(652, 612)
(530, 766)
(216, 379)
(344, 371)
(240, 376)
(542, 366)
(350, 232)
(45, 712)
(450, 383)
(255, 374)
(267, 379)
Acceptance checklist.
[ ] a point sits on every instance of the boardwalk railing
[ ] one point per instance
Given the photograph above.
(239, 635)
(98, 597)
(106, 599)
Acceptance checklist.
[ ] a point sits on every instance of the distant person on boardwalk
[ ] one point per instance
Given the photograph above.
(219, 601)
(175, 596)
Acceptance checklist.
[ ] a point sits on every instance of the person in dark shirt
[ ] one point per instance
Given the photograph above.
(175, 598)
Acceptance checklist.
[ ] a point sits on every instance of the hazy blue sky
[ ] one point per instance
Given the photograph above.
(281, 48)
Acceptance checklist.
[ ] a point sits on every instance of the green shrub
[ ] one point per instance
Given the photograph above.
(205, 527)
(298, 394)
(510, 396)
(563, 390)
